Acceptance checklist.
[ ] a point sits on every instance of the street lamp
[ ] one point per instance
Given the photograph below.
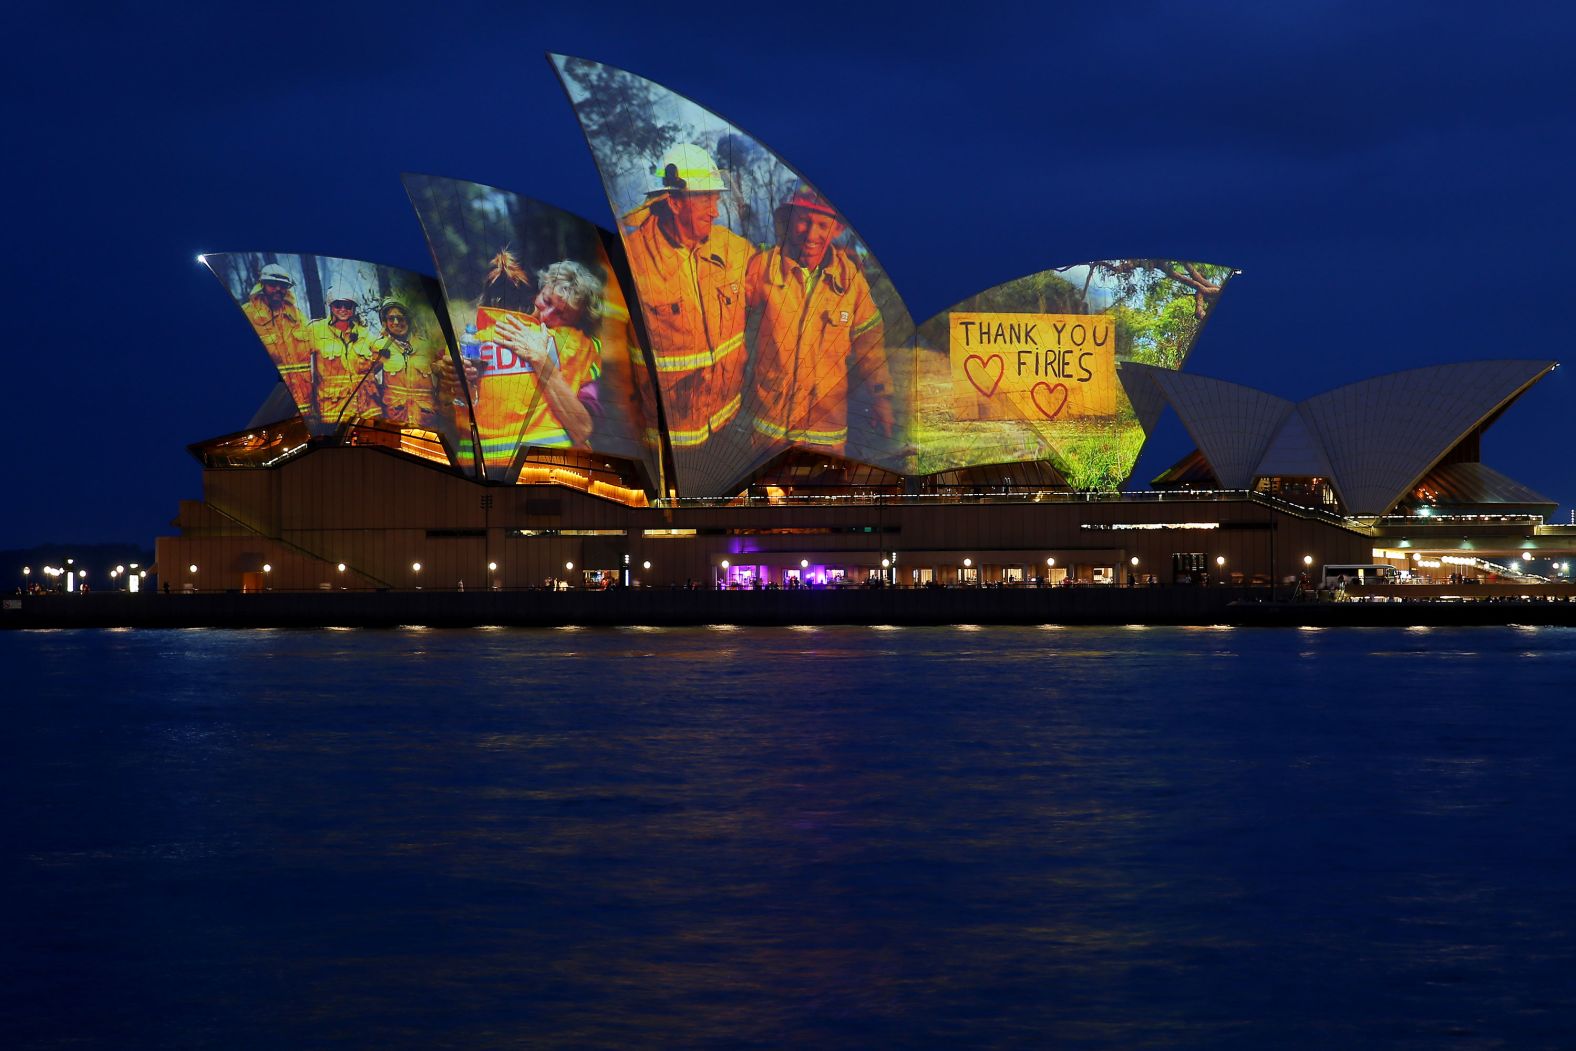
(804, 563)
(340, 567)
(267, 568)
(1307, 561)
(415, 567)
(646, 564)
(193, 567)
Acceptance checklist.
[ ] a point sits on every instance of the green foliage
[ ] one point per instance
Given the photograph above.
(1157, 337)
(617, 110)
(1098, 456)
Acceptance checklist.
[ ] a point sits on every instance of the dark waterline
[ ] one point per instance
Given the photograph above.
(1003, 837)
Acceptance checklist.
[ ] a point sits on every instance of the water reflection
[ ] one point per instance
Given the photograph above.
(981, 837)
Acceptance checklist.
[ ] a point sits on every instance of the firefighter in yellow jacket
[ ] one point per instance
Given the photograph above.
(689, 275)
(818, 331)
(411, 371)
(272, 310)
(343, 362)
(538, 369)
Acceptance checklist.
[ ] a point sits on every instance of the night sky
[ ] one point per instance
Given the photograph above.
(1393, 179)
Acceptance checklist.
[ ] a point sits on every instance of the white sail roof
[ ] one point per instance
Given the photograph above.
(1383, 434)
(1232, 424)
(1374, 439)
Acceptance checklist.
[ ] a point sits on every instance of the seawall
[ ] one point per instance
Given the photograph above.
(661, 607)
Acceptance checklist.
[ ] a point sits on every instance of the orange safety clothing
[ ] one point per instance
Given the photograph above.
(343, 363)
(819, 330)
(693, 301)
(284, 336)
(510, 410)
(411, 377)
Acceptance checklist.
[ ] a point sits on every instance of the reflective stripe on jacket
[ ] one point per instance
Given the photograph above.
(344, 362)
(283, 335)
(693, 303)
(816, 331)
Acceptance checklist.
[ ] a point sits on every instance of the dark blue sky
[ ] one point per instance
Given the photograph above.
(1394, 180)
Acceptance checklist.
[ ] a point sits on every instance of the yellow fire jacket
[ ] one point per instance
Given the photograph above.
(510, 410)
(410, 384)
(342, 362)
(283, 333)
(693, 303)
(818, 332)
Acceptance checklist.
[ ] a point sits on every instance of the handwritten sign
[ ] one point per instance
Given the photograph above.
(1033, 366)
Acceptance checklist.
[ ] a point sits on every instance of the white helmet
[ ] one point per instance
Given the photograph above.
(340, 295)
(688, 168)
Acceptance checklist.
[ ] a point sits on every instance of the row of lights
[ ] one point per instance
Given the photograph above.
(82, 574)
(886, 563)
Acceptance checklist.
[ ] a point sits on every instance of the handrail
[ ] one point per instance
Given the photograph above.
(297, 548)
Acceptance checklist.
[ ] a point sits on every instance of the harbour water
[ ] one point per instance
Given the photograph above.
(830, 837)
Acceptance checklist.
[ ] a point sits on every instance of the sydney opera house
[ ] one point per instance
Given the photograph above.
(726, 391)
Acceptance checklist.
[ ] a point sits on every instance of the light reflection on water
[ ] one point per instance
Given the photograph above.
(834, 836)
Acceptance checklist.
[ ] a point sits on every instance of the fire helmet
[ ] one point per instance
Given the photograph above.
(689, 169)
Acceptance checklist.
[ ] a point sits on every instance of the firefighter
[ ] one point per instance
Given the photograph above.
(344, 362)
(818, 331)
(272, 310)
(689, 274)
(411, 370)
(538, 367)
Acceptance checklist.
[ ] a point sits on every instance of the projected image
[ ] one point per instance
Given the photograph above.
(771, 324)
(1029, 370)
(548, 351)
(354, 342)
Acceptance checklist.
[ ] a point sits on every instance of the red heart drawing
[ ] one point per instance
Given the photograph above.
(983, 365)
(1049, 393)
